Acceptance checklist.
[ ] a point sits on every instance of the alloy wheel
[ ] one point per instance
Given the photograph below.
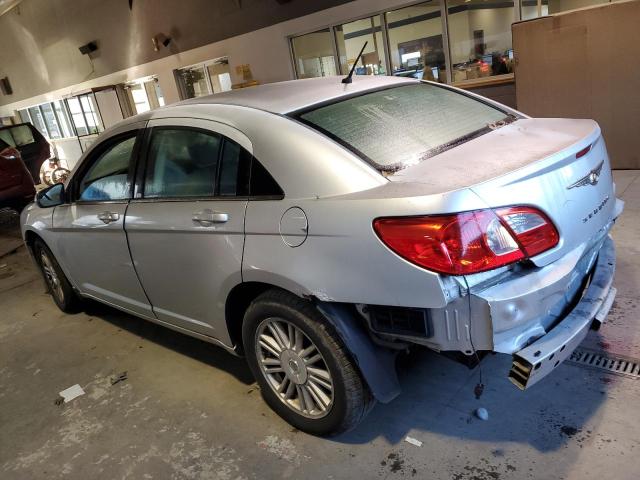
(294, 368)
(51, 276)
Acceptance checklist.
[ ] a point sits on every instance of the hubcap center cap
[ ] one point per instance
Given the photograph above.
(294, 367)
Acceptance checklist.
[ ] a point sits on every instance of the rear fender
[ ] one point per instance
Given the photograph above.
(376, 364)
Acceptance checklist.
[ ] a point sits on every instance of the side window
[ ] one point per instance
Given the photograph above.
(5, 135)
(262, 183)
(182, 163)
(234, 170)
(3, 145)
(22, 135)
(108, 176)
(243, 175)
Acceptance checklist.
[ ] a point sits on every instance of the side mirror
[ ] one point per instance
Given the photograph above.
(51, 197)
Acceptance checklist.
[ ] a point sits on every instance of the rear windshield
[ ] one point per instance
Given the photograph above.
(401, 126)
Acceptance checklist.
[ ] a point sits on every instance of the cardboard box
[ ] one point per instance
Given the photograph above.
(585, 64)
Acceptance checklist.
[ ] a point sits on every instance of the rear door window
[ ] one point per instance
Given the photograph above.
(401, 126)
(22, 135)
(234, 170)
(5, 136)
(182, 162)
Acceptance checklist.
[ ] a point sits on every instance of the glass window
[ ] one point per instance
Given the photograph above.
(313, 54)
(5, 135)
(182, 163)
(194, 82)
(262, 183)
(210, 77)
(350, 38)
(50, 120)
(38, 120)
(139, 95)
(63, 118)
(234, 170)
(529, 9)
(158, 90)
(108, 177)
(220, 76)
(24, 116)
(77, 116)
(556, 6)
(415, 42)
(22, 135)
(480, 38)
(401, 126)
(90, 113)
(3, 145)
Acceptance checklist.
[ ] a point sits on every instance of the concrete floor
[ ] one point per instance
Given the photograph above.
(189, 410)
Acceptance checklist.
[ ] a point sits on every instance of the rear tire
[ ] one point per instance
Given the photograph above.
(57, 284)
(305, 372)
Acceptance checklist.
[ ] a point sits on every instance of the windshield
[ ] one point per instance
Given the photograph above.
(401, 126)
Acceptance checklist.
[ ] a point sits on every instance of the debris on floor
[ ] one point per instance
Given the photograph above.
(413, 441)
(69, 394)
(121, 377)
(482, 413)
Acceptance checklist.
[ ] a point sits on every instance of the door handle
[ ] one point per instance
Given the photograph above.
(108, 217)
(207, 217)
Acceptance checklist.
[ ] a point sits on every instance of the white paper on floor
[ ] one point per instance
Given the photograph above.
(413, 441)
(71, 393)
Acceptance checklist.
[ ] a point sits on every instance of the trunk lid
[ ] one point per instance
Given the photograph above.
(533, 162)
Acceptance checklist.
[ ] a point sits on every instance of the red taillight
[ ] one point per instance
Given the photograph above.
(532, 229)
(468, 242)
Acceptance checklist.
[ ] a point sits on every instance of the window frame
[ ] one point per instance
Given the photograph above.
(444, 14)
(179, 79)
(95, 154)
(143, 162)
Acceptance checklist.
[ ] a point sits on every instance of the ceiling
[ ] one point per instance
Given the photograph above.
(6, 5)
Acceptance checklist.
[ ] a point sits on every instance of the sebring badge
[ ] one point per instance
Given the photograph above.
(589, 179)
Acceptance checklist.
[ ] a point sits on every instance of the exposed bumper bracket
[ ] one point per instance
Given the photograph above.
(533, 363)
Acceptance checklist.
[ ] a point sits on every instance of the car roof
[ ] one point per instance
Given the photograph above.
(292, 95)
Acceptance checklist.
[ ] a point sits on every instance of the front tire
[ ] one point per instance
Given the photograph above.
(305, 373)
(57, 283)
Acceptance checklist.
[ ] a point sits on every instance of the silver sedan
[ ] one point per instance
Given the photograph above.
(318, 228)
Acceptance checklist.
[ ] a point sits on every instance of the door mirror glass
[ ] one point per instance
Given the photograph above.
(51, 197)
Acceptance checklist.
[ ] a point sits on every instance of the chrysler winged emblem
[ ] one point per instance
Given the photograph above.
(590, 178)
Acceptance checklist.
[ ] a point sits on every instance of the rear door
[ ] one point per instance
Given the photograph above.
(186, 224)
(33, 148)
(90, 242)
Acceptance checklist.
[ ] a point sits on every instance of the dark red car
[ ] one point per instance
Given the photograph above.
(33, 147)
(16, 183)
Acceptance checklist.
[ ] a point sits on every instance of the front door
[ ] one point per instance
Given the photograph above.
(186, 224)
(91, 240)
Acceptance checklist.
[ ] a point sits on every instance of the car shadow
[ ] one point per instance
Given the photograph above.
(195, 348)
(437, 394)
(438, 397)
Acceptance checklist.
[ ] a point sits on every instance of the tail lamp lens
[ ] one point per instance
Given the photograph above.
(468, 242)
(532, 228)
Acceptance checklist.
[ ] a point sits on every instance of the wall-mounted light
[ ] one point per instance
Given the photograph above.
(160, 39)
(88, 48)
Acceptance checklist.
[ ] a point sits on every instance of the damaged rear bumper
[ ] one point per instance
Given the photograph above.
(539, 359)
